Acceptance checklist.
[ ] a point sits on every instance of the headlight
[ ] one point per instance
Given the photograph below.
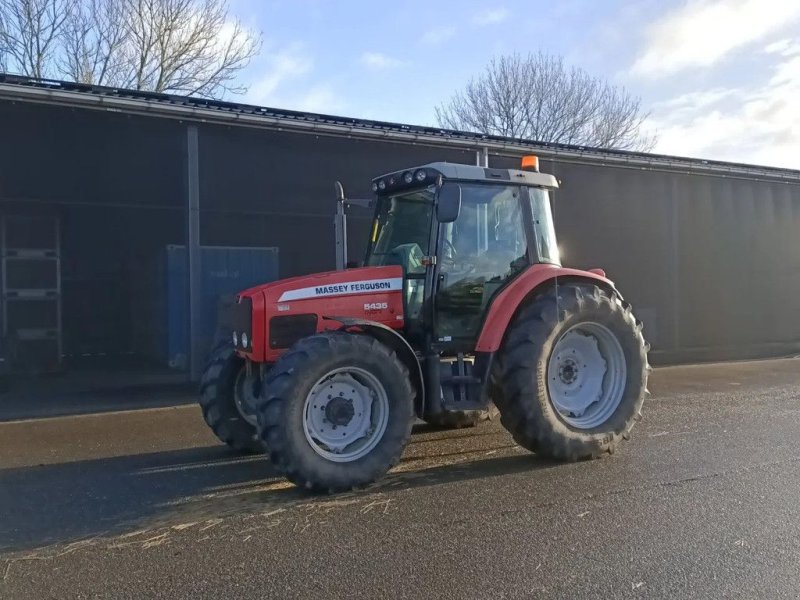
(374, 187)
(381, 185)
(421, 175)
(235, 339)
(244, 340)
(408, 177)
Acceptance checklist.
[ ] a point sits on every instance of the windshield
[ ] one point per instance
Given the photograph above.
(546, 245)
(401, 231)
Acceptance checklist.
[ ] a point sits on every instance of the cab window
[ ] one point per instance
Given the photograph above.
(480, 251)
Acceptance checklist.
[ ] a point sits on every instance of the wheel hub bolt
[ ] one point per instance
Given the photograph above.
(340, 411)
(568, 371)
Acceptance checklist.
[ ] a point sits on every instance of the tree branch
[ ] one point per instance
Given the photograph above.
(537, 97)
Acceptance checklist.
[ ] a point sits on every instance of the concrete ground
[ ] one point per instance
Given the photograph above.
(704, 501)
(84, 391)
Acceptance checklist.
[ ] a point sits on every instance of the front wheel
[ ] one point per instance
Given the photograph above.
(227, 396)
(337, 411)
(573, 373)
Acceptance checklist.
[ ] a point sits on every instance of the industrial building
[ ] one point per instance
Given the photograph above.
(127, 216)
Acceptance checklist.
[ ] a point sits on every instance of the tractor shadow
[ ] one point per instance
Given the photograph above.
(63, 503)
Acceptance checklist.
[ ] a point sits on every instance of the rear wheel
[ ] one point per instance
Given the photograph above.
(337, 412)
(573, 373)
(227, 398)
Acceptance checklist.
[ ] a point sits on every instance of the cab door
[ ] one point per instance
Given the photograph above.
(479, 252)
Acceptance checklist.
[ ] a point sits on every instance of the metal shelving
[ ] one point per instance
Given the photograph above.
(31, 291)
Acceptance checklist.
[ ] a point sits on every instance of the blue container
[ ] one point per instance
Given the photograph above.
(224, 272)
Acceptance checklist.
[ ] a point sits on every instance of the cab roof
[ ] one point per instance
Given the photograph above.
(457, 172)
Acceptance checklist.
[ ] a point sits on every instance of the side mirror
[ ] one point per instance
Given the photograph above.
(448, 205)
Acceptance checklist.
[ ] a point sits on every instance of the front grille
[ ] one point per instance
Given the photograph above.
(286, 330)
(241, 323)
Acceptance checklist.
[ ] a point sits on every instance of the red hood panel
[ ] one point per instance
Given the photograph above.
(370, 293)
(366, 280)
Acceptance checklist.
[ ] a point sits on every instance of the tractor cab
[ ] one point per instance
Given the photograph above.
(461, 233)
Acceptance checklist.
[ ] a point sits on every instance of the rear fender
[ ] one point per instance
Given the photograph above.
(533, 281)
(398, 344)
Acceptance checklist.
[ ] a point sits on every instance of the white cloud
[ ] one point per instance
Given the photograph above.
(316, 98)
(703, 32)
(378, 61)
(787, 47)
(758, 123)
(493, 16)
(438, 35)
(694, 100)
(278, 68)
(320, 98)
(284, 78)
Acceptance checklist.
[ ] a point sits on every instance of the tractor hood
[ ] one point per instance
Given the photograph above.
(366, 280)
(278, 314)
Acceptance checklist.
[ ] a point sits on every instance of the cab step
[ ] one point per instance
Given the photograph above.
(461, 389)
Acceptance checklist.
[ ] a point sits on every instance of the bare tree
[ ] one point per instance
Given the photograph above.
(537, 97)
(180, 46)
(186, 46)
(29, 33)
(92, 41)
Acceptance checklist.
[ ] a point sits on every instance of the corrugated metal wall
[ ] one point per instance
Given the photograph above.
(711, 263)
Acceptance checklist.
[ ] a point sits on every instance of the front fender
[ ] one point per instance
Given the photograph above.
(505, 305)
(395, 341)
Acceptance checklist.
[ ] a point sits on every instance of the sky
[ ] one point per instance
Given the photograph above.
(719, 78)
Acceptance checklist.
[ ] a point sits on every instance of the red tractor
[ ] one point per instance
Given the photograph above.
(462, 301)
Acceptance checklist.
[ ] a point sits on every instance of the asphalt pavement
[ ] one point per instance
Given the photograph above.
(703, 502)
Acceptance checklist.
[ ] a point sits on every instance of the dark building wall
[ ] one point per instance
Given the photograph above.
(79, 156)
(116, 184)
(712, 264)
(276, 189)
(739, 262)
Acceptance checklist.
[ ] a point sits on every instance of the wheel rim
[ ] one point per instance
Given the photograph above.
(586, 375)
(245, 395)
(345, 414)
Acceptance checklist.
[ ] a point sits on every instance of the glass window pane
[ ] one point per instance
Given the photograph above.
(481, 250)
(546, 246)
(401, 232)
